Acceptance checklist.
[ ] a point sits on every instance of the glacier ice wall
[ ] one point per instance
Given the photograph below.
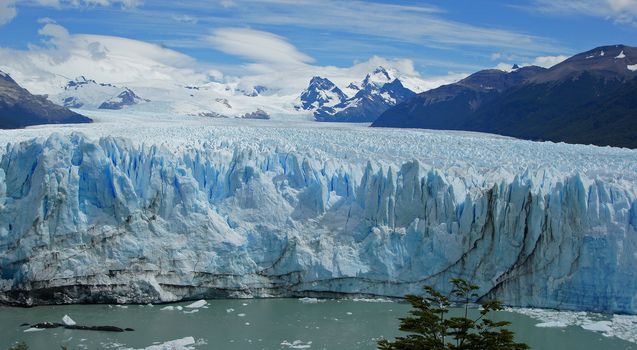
(108, 220)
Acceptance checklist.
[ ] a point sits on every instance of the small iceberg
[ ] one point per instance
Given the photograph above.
(197, 304)
(67, 320)
(309, 300)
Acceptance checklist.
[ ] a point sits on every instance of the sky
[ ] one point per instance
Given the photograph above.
(270, 41)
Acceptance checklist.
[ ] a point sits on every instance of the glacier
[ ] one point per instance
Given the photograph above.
(110, 213)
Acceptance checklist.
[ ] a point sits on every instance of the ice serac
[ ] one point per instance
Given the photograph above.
(108, 220)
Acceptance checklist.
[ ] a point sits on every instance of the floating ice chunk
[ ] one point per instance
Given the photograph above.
(167, 308)
(29, 330)
(241, 315)
(309, 300)
(373, 300)
(68, 321)
(191, 311)
(229, 310)
(179, 308)
(197, 304)
(247, 323)
(349, 313)
(297, 344)
(552, 324)
(187, 343)
(599, 326)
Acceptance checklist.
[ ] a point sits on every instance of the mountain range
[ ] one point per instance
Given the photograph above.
(378, 91)
(87, 93)
(590, 98)
(19, 108)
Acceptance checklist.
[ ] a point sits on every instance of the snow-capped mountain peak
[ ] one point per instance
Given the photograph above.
(125, 98)
(378, 77)
(378, 91)
(321, 92)
(78, 82)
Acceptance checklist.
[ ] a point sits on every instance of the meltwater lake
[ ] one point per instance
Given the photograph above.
(283, 324)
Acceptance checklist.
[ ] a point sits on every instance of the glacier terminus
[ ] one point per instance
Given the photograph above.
(111, 213)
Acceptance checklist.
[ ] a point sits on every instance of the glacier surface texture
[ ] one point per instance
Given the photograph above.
(91, 218)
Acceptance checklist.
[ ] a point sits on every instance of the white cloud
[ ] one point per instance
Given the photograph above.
(295, 78)
(620, 11)
(507, 67)
(257, 46)
(541, 61)
(548, 61)
(7, 11)
(276, 63)
(103, 58)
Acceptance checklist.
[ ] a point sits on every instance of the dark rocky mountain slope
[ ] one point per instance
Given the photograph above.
(590, 98)
(19, 108)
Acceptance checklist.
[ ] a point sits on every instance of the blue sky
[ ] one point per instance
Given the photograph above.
(439, 37)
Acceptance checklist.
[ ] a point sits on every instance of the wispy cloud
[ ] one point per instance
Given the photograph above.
(619, 11)
(84, 3)
(412, 24)
(257, 46)
(7, 11)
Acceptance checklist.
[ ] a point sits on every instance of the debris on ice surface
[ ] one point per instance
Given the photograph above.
(178, 209)
(68, 321)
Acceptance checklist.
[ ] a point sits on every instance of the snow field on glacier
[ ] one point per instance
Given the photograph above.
(150, 208)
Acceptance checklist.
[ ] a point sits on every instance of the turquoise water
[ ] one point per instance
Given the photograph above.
(258, 324)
